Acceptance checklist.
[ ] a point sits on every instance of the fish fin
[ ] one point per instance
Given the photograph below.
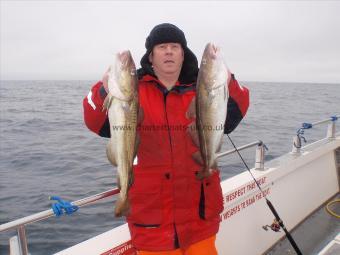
(136, 146)
(214, 165)
(192, 130)
(107, 102)
(131, 180)
(219, 147)
(226, 87)
(118, 182)
(122, 207)
(110, 154)
(191, 112)
(225, 92)
(140, 116)
(229, 77)
(197, 156)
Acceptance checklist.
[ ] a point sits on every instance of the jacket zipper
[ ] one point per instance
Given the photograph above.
(176, 241)
(167, 121)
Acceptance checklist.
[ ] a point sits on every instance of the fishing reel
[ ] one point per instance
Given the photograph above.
(275, 226)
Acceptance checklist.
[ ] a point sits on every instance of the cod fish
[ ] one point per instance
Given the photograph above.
(211, 107)
(122, 108)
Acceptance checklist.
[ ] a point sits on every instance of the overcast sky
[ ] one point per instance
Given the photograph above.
(292, 41)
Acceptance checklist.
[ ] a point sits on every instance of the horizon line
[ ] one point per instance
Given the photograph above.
(304, 82)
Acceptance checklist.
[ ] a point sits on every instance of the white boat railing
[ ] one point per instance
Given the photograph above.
(333, 118)
(331, 130)
(20, 241)
(18, 244)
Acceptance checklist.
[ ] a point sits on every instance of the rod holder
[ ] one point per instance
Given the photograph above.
(22, 240)
(259, 157)
(296, 145)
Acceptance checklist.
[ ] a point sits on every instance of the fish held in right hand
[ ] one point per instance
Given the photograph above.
(211, 106)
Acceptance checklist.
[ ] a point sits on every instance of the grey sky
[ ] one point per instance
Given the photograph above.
(261, 40)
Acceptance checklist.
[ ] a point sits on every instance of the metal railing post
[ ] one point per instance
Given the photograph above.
(259, 157)
(331, 130)
(22, 240)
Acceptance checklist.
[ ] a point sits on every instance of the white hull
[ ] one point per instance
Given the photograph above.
(296, 185)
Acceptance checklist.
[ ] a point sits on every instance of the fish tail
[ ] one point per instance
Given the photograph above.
(122, 207)
(206, 171)
(203, 173)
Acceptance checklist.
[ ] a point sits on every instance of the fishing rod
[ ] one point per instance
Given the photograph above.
(270, 205)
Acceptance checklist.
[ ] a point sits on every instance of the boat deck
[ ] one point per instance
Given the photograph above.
(313, 234)
(332, 248)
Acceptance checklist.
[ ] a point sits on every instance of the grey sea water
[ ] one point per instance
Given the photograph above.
(45, 149)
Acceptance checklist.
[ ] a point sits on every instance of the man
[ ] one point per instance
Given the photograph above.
(171, 210)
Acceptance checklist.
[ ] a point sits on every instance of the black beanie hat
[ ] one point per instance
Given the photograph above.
(166, 33)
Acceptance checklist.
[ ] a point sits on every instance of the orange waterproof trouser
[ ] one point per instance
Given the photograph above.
(204, 247)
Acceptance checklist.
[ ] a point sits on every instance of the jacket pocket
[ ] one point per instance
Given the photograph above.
(145, 199)
(211, 199)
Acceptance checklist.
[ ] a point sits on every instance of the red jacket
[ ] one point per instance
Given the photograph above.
(170, 207)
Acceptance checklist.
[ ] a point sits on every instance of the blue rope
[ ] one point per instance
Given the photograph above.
(62, 206)
(301, 132)
(307, 125)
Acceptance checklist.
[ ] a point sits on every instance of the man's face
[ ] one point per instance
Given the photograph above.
(167, 58)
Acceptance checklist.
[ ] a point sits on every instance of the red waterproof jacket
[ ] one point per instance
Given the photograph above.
(170, 207)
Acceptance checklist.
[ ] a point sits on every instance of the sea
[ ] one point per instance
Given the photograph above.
(46, 149)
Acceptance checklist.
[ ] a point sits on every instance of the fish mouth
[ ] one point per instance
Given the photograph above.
(125, 58)
(212, 50)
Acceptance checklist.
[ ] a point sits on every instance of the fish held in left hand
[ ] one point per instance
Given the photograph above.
(122, 105)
